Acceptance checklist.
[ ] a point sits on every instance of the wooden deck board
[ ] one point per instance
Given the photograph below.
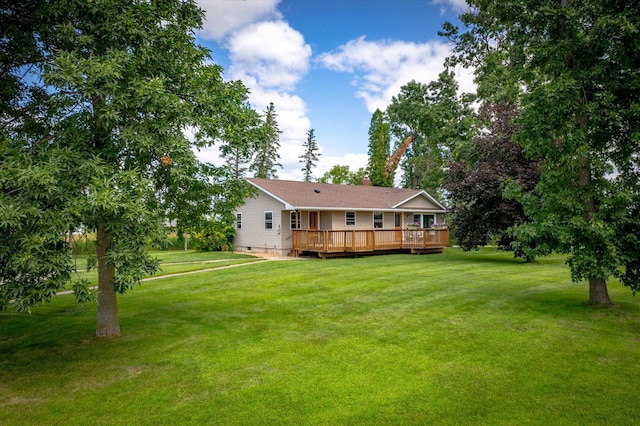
(324, 242)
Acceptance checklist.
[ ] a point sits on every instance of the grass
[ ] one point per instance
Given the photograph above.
(457, 338)
(172, 262)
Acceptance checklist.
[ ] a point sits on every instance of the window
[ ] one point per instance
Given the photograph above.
(378, 219)
(295, 220)
(350, 218)
(238, 220)
(268, 220)
(424, 220)
(428, 220)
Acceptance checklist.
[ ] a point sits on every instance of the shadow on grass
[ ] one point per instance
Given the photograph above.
(483, 255)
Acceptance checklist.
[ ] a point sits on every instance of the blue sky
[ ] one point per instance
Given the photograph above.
(327, 65)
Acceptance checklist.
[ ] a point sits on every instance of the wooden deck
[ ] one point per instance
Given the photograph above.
(335, 243)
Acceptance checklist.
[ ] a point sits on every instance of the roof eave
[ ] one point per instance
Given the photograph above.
(287, 206)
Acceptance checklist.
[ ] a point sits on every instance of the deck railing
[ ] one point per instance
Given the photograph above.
(368, 240)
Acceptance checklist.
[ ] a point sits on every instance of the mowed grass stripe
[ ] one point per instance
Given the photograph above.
(458, 338)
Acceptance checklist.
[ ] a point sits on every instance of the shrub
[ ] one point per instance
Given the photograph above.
(213, 236)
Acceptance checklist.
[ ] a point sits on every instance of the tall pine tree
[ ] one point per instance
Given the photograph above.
(310, 156)
(379, 151)
(267, 144)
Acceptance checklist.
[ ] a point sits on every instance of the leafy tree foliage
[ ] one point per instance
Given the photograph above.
(579, 66)
(265, 162)
(438, 120)
(238, 137)
(98, 95)
(379, 151)
(310, 156)
(341, 175)
(480, 211)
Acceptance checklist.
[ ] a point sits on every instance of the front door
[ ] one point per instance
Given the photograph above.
(398, 226)
(313, 220)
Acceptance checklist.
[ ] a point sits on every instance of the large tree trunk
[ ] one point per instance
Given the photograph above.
(598, 293)
(107, 324)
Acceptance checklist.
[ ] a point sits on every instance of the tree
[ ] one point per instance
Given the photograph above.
(341, 175)
(379, 151)
(578, 64)
(310, 155)
(480, 211)
(266, 147)
(438, 120)
(92, 126)
(237, 141)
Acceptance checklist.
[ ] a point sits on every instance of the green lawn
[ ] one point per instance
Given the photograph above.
(457, 338)
(172, 262)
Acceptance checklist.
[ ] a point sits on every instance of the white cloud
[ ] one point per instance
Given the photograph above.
(270, 58)
(457, 5)
(381, 68)
(225, 16)
(271, 52)
(271, 70)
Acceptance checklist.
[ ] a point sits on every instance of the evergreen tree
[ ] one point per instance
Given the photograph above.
(237, 141)
(379, 146)
(265, 160)
(310, 155)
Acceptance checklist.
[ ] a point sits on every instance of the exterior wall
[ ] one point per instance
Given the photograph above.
(335, 220)
(408, 217)
(253, 237)
(364, 220)
(420, 202)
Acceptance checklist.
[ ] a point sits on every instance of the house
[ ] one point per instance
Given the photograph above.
(288, 217)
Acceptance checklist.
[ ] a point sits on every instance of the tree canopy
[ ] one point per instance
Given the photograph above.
(481, 213)
(438, 119)
(97, 100)
(342, 175)
(577, 67)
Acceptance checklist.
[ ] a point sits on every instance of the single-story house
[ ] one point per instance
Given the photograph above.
(290, 218)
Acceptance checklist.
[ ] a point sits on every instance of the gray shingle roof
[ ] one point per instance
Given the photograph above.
(329, 196)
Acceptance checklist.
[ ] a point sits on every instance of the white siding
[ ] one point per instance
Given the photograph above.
(253, 234)
(419, 202)
(364, 220)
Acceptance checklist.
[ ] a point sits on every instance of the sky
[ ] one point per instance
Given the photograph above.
(327, 65)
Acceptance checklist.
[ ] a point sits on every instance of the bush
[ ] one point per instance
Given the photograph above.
(213, 236)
